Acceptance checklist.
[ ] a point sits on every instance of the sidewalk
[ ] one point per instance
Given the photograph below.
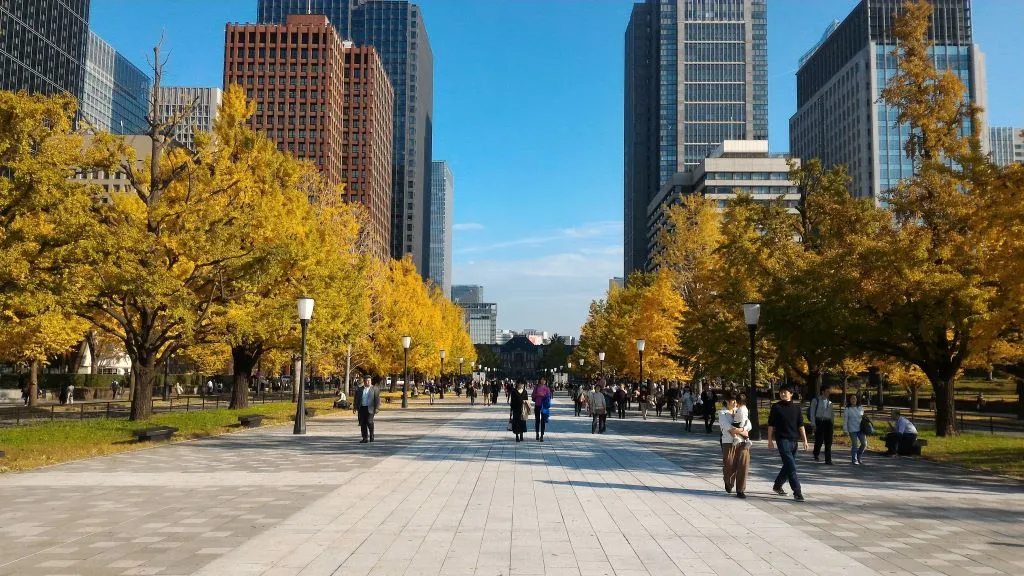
(445, 490)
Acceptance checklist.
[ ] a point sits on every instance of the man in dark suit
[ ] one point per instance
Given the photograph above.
(367, 403)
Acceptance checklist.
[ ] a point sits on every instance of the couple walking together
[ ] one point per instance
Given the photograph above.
(519, 404)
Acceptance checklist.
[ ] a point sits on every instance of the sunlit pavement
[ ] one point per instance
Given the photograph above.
(446, 490)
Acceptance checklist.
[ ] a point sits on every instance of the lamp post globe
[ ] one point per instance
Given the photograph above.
(600, 358)
(751, 316)
(305, 310)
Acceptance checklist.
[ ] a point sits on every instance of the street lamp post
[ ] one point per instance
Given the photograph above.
(441, 378)
(406, 342)
(751, 314)
(581, 371)
(600, 358)
(305, 306)
(640, 345)
(568, 380)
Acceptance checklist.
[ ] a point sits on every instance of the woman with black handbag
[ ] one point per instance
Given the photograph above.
(519, 403)
(857, 426)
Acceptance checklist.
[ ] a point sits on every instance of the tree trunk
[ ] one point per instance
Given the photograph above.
(144, 374)
(814, 378)
(915, 392)
(93, 341)
(243, 359)
(1020, 398)
(945, 406)
(33, 383)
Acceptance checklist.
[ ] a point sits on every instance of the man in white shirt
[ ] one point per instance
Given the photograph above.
(901, 440)
(821, 415)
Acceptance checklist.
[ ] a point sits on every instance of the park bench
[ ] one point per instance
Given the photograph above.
(155, 433)
(251, 420)
(915, 450)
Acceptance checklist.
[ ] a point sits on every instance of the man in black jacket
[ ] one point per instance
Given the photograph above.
(707, 398)
(785, 425)
(367, 404)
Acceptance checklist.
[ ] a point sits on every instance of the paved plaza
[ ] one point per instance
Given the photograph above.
(446, 491)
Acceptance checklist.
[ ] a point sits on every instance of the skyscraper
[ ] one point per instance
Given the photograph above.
(840, 118)
(1007, 145)
(116, 93)
(696, 75)
(199, 107)
(396, 29)
(442, 201)
(297, 74)
(467, 294)
(43, 45)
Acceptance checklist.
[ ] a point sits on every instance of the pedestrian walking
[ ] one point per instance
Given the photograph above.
(686, 407)
(471, 392)
(578, 400)
(25, 394)
(659, 400)
(735, 450)
(367, 404)
(494, 392)
(620, 401)
(644, 400)
(853, 424)
(598, 408)
(785, 426)
(519, 409)
(71, 393)
(821, 415)
(672, 398)
(541, 395)
(707, 398)
(114, 389)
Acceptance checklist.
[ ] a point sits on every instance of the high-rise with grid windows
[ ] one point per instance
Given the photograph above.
(840, 117)
(395, 28)
(324, 101)
(43, 45)
(442, 203)
(696, 75)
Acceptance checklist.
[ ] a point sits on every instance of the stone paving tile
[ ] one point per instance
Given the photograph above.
(440, 494)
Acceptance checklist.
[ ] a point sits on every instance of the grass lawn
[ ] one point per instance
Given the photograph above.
(47, 443)
(999, 454)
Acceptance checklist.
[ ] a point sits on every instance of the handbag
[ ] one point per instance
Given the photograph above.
(866, 427)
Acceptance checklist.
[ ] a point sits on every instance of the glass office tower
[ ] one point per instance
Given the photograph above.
(43, 45)
(396, 29)
(840, 118)
(696, 75)
(442, 203)
(116, 93)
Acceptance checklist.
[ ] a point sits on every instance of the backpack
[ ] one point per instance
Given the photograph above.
(866, 427)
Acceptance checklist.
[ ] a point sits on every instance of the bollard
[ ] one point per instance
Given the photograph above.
(188, 401)
(82, 412)
(108, 409)
(51, 411)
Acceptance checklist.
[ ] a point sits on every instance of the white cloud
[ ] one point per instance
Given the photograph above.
(468, 226)
(550, 293)
(595, 231)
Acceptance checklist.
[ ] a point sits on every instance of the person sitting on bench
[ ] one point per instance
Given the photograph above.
(901, 440)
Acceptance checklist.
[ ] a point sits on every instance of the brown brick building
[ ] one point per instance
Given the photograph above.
(321, 101)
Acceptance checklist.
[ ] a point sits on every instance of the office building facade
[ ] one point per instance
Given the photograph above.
(482, 320)
(736, 166)
(116, 92)
(43, 45)
(296, 74)
(840, 118)
(196, 108)
(696, 75)
(395, 28)
(366, 126)
(467, 294)
(1007, 145)
(442, 201)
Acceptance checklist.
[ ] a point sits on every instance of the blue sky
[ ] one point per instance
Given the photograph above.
(528, 112)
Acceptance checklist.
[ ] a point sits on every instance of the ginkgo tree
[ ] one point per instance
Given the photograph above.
(47, 230)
